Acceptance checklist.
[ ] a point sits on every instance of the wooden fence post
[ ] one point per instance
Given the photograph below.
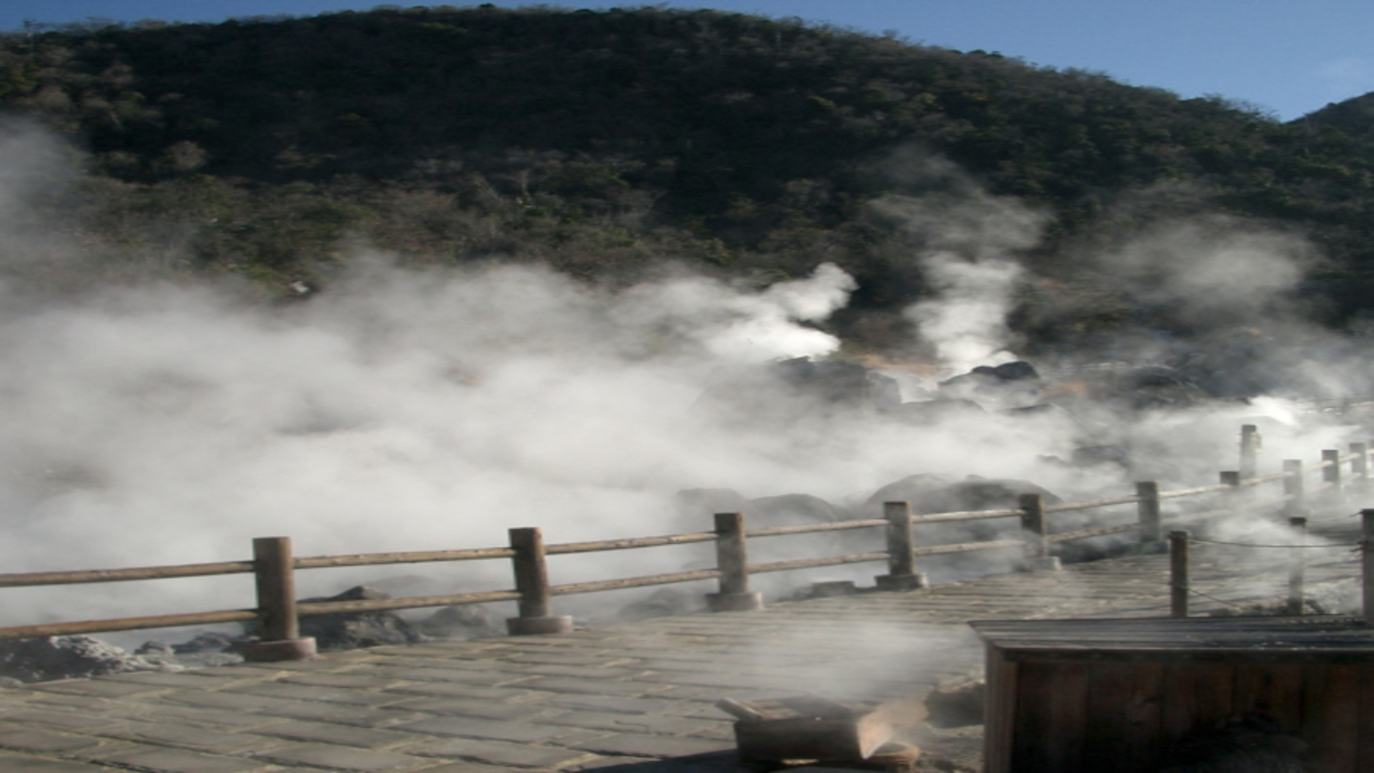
(532, 582)
(1035, 531)
(1359, 465)
(1367, 563)
(1297, 568)
(274, 572)
(1331, 477)
(1178, 574)
(1250, 441)
(1147, 511)
(901, 555)
(1293, 487)
(732, 559)
(1232, 497)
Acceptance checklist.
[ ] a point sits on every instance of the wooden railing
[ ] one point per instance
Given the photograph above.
(277, 612)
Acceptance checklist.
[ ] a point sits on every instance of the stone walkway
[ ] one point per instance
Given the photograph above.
(636, 697)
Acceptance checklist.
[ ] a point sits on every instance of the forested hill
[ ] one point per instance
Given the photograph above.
(603, 142)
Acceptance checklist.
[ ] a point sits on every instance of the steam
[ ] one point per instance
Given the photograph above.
(967, 243)
(168, 423)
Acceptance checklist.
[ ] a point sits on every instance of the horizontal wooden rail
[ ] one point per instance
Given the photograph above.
(1258, 479)
(814, 528)
(812, 563)
(634, 582)
(124, 575)
(311, 608)
(1192, 492)
(968, 547)
(1064, 507)
(413, 557)
(126, 624)
(965, 515)
(626, 544)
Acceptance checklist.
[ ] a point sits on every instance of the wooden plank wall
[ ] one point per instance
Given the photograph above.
(1086, 716)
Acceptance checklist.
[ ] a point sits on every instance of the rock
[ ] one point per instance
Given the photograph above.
(205, 642)
(155, 648)
(929, 493)
(466, 621)
(66, 657)
(1006, 386)
(352, 630)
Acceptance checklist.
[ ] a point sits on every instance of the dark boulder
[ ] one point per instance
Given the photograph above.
(1004, 387)
(930, 493)
(351, 630)
(65, 657)
(467, 621)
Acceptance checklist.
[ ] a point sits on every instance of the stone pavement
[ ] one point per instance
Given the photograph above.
(637, 698)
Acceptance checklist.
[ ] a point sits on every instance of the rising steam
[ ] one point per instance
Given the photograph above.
(407, 410)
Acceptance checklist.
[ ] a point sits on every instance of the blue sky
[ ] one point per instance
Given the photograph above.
(1284, 56)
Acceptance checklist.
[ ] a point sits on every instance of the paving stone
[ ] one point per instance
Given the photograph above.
(302, 692)
(104, 688)
(455, 689)
(468, 648)
(503, 753)
(11, 763)
(565, 659)
(234, 701)
(34, 739)
(341, 758)
(616, 762)
(334, 662)
(359, 716)
(592, 686)
(59, 719)
(467, 727)
(653, 745)
(416, 673)
(639, 723)
(325, 732)
(177, 761)
(222, 719)
(196, 680)
(187, 737)
(366, 678)
(510, 712)
(463, 767)
(582, 672)
(615, 703)
(83, 703)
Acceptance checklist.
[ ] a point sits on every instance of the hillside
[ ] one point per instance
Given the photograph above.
(606, 142)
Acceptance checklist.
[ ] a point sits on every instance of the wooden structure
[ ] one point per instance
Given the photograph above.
(810, 727)
(1083, 696)
(1031, 531)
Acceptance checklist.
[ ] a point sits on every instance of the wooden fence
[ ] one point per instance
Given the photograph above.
(277, 612)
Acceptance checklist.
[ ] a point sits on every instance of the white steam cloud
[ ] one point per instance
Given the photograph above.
(410, 410)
